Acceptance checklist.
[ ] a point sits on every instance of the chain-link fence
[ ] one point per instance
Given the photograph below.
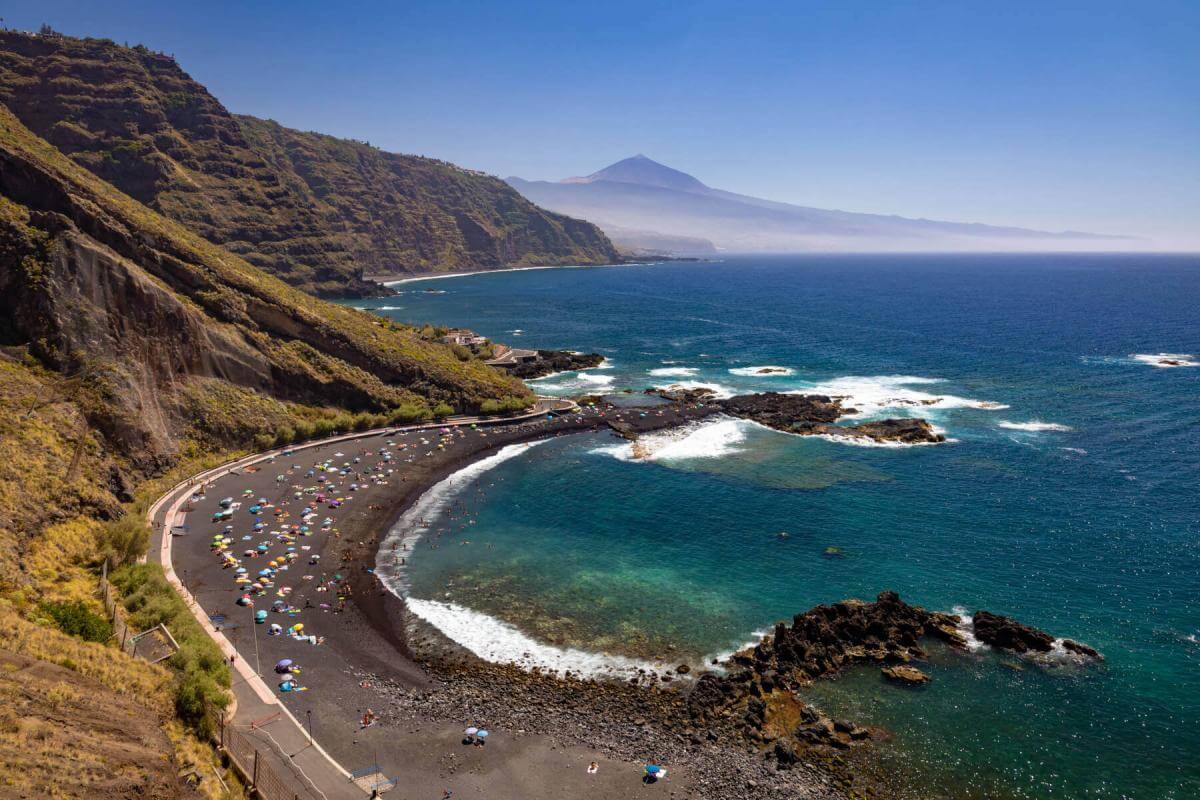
(255, 767)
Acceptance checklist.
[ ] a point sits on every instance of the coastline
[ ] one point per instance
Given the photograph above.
(424, 688)
(389, 281)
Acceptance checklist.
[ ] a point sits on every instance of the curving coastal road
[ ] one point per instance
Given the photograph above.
(310, 770)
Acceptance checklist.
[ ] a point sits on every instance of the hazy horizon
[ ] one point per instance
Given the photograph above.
(1080, 116)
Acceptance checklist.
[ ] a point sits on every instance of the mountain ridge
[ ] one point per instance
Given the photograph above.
(317, 211)
(641, 194)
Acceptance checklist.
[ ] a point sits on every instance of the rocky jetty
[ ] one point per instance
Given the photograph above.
(816, 414)
(1006, 633)
(551, 361)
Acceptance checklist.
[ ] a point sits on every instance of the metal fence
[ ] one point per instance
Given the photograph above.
(121, 630)
(255, 766)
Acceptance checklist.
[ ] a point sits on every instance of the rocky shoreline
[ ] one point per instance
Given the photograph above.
(805, 415)
(548, 362)
(733, 731)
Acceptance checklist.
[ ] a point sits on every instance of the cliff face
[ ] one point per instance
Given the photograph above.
(317, 211)
(95, 284)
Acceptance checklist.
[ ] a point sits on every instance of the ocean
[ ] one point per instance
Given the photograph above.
(1066, 496)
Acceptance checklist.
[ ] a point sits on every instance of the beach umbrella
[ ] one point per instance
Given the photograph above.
(471, 731)
(282, 664)
(653, 770)
(482, 734)
(245, 600)
(260, 617)
(275, 629)
(286, 686)
(240, 570)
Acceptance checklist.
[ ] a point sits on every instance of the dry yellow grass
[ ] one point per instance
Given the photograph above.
(150, 684)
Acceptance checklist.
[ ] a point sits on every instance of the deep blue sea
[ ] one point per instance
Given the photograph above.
(1068, 496)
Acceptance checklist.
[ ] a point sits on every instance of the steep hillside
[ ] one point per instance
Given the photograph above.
(130, 346)
(169, 340)
(316, 211)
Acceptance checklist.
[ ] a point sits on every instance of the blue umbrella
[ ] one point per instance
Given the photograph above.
(260, 617)
(482, 734)
(653, 769)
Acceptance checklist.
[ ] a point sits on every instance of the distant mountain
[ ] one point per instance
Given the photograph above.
(639, 194)
(314, 210)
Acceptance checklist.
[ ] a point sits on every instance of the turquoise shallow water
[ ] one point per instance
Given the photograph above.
(1089, 530)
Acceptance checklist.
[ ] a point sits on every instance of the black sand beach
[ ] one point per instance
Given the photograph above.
(423, 689)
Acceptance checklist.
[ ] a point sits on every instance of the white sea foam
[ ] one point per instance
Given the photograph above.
(388, 308)
(572, 381)
(1166, 360)
(593, 378)
(863, 441)
(719, 390)
(415, 521)
(725, 655)
(1034, 426)
(710, 439)
(757, 372)
(966, 628)
(678, 372)
(874, 395)
(497, 641)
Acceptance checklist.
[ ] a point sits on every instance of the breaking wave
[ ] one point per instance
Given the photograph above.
(767, 371)
(416, 520)
(966, 628)
(719, 390)
(678, 372)
(499, 642)
(887, 393)
(1166, 360)
(712, 439)
(1034, 426)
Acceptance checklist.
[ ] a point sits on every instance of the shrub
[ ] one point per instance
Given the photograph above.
(124, 540)
(442, 410)
(284, 435)
(203, 675)
(76, 619)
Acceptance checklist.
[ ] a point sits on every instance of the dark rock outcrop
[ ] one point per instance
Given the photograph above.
(1006, 633)
(815, 414)
(551, 361)
(683, 394)
(794, 413)
(827, 639)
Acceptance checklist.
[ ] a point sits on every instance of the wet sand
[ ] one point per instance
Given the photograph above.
(425, 690)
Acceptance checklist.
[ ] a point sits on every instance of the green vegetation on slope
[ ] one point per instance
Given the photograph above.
(130, 348)
(317, 211)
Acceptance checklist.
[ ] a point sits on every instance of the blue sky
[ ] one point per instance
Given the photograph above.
(1054, 114)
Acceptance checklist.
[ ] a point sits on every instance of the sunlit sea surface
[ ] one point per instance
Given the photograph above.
(1068, 496)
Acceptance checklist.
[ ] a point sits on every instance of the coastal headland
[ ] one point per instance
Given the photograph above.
(380, 688)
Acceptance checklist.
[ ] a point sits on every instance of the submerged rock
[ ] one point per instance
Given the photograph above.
(910, 676)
